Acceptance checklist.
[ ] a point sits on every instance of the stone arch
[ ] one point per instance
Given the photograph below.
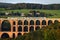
(14, 28)
(24, 33)
(32, 22)
(4, 35)
(13, 35)
(56, 21)
(31, 29)
(37, 22)
(43, 27)
(37, 28)
(44, 22)
(20, 28)
(19, 22)
(5, 26)
(19, 34)
(50, 22)
(14, 23)
(26, 29)
(25, 22)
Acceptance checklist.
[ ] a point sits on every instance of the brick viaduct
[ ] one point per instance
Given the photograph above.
(20, 26)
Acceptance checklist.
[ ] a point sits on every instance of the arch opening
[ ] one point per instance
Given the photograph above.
(14, 29)
(37, 22)
(56, 21)
(49, 22)
(31, 28)
(37, 28)
(5, 26)
(19, 22)
(25, 22)
(20, 28)
(43, 27)
(43, 22)
(25, 29)
(13, 35)
(5, 35)
(31, 22)
(14, 23)
(19, 34)
(24, 33)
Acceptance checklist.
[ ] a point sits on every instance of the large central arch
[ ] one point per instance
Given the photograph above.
(5, 35)
(5, 26)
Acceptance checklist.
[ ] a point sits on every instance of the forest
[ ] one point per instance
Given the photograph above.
(29, 6)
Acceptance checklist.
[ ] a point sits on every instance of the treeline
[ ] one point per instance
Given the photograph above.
(29, 6)
(5, 5)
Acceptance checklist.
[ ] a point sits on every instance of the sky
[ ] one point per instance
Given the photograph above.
(32, 1)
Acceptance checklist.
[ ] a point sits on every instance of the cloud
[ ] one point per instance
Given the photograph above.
(31, 1)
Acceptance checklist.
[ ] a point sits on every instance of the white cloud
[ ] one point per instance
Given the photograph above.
(31, 1)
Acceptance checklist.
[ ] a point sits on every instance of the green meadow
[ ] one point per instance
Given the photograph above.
(56, 13)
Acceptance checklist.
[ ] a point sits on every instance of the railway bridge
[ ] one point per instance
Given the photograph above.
(13, 27)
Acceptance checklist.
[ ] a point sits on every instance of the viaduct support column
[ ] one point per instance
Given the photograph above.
(16, 33)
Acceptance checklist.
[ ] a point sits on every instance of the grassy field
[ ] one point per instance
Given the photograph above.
(56, 13)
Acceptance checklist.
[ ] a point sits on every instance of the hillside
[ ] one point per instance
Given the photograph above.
(5, 5)
(29, 6)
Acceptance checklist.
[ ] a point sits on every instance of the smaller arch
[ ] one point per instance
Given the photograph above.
(44, 22)
(19, 34)
(5, 35)
(13, 35)
(43, 27)
(24, 33)
(19, 22)
(50, 22)
(37, 28)
(25, 22)
(56, 21)
(31, 29)
(31, 22)
(14, 29)
(37, 22)
(20, 28)
(14, 23)
(25, 29)
(59, 27)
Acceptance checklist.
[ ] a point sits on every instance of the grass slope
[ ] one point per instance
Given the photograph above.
(56, 13)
